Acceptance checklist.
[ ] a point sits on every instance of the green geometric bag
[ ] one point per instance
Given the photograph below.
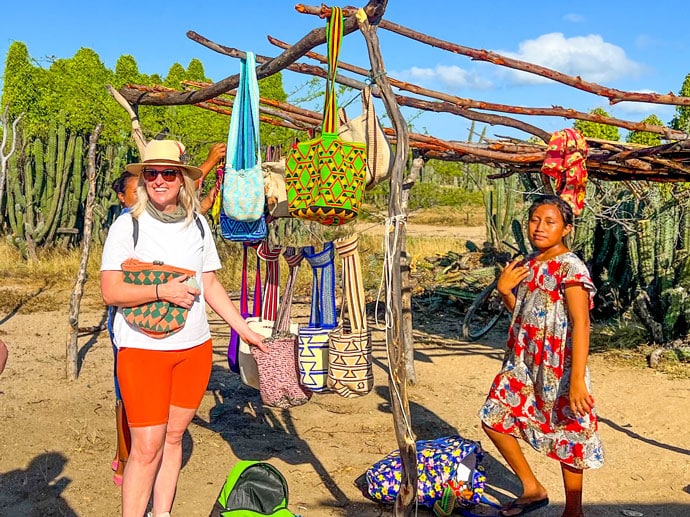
(325, 176)
(157, 319)
(253, 489)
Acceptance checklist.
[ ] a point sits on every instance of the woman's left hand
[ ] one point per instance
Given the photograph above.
(581, 401)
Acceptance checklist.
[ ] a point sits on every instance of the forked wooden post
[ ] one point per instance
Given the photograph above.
(395, 235)
(72, 366)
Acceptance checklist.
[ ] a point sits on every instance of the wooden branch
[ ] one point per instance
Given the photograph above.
(614, 95)
(555, 111)
(397, 372)
(137, 132)
(72, 355)
(374, 8)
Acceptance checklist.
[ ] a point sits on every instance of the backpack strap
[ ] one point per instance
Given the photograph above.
(323, 310)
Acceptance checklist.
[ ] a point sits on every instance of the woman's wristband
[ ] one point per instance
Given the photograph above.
(158, 298)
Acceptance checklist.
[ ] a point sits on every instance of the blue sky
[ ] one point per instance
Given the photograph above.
(609, 42)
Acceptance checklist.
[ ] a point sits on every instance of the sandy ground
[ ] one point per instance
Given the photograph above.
(58, 436)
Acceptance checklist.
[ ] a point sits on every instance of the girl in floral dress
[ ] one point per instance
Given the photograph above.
(542, 393)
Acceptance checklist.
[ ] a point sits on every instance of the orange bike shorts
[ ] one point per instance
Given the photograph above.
(152, 380)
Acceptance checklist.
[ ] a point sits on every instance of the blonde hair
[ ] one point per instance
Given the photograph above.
(187, 197)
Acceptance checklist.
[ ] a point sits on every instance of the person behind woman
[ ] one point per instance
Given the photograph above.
(162, 380)
(542, 392)
(125, 186)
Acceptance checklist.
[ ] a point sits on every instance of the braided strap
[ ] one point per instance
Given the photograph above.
(323, 310)
(271, 255)
(353, 289)
(282, 320)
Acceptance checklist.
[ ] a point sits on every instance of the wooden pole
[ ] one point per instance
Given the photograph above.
(397, 373)
(72, 366)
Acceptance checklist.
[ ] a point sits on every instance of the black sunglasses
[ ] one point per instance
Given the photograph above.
(167, 174)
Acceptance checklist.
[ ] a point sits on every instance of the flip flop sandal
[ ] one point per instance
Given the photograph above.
(523, 508)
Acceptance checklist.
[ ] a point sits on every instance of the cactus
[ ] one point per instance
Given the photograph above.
(500, 211)
(47, 188)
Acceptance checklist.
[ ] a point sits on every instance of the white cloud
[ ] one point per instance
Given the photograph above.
(574, 18)
(452, 77)
(589, 57)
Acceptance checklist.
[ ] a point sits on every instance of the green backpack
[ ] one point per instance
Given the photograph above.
(253, 488)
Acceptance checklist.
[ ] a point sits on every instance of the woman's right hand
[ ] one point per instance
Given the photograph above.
(254, 339)
(511, 276)
(177, 291)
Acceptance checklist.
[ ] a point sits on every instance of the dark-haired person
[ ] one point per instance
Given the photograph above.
(542, 393)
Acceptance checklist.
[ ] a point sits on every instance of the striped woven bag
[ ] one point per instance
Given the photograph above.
(313, 338)
(156, 319)
(350, 371)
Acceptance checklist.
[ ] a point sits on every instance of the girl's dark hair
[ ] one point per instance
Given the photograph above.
(120, 183)
(563, 207)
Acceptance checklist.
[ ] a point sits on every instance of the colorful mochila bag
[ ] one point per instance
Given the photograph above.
(243, 179)
(161, 318)
(313, 338)
(264, 323)
(157, 319)
(325, 176)
(350, 371)
(278, 376)
(447, 468)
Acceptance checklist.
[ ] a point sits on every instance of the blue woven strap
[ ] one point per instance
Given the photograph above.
(243, 135)
(323, 311)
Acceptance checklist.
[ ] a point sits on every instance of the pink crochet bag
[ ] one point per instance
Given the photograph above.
(278, 375)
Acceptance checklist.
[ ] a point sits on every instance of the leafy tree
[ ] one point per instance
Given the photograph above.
(597, 130)
(644, 137)
(76, 90)
(682, 119)
(23, 88)
(127, 71)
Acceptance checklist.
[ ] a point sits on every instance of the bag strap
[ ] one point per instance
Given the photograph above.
(294, 258)
(243, 286)
(271, 256)
(353, 289)
(334, 39)
(323, 310)
(257, 288)
(244, 149)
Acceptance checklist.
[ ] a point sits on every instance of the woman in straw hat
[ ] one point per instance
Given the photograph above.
(162, 380)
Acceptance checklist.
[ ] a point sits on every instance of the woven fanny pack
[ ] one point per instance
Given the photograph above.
(157, 319)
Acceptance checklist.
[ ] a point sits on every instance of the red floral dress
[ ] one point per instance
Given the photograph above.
(529, 397)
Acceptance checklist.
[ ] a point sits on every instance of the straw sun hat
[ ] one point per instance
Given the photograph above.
(164, 152)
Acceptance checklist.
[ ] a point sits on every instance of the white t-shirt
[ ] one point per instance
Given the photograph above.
(174, 244)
